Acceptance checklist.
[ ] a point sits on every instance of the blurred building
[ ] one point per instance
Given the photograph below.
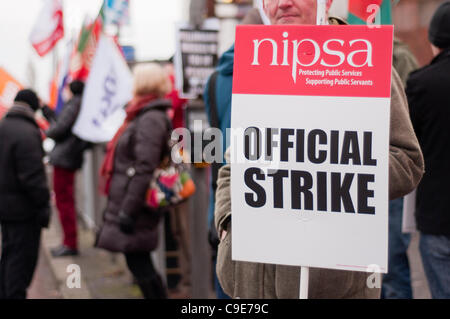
(229, 14)
(412, 19)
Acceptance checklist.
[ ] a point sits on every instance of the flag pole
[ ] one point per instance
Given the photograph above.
(304, 271)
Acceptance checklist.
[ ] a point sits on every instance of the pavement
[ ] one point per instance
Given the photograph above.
(418, 280)
(44, 284)
(104, 275)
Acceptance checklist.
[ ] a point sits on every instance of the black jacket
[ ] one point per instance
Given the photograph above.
(68, 151)
(138, 152)
(24, 193)
(428, 91)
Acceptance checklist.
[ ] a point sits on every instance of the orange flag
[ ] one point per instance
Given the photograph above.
(8, 90)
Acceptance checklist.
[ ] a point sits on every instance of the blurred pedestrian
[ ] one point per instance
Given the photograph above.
(217, 97)
(137, 149)
(397, 282)
(66, 158)
(24, 195)
(178, 103)
(429, 101)
(177, 221)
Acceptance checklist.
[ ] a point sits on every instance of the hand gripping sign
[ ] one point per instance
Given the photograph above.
(309, 145)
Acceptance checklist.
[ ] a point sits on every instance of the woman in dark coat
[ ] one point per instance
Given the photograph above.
(129, 225)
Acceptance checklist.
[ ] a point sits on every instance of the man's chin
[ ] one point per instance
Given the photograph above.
(288, 20)
(291, 20)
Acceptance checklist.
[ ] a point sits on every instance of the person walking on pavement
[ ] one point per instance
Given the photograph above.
(66, 158)
(429, 102)
(24, 195)
(129, 225)
(257, 280)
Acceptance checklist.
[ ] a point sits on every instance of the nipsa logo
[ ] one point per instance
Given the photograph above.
(356, 53)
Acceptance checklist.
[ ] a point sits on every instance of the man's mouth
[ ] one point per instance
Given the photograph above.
(287, 17)
(284, 16)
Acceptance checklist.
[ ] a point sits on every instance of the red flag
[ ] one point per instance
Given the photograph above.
(359, 8)
(83, 55)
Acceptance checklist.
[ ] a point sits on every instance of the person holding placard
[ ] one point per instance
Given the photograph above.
(262, 280)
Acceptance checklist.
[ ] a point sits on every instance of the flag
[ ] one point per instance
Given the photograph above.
(108, 88)
(9, 87)
(53, 94)
(60, 79)
(81, 60)
(64, 77)
(60, 100)
(48, 28)
(359, 11)
(117, 11)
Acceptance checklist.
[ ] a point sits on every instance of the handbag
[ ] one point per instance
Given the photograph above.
(171, 184)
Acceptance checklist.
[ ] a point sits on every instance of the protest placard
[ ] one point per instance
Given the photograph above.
(310, 145)
(196, 59)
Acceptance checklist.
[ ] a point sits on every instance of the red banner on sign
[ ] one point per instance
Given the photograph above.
(313, 60)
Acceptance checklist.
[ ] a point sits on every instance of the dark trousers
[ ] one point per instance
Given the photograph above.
(435, 253)
(150, 283)
(19, 255)
(63, 186)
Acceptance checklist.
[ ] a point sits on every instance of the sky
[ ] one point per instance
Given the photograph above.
(151, 31)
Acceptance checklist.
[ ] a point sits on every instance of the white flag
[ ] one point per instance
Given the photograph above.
(48, 28)
(108, 88)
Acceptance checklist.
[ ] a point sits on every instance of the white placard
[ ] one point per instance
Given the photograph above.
(324, 239)
(310, 147)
